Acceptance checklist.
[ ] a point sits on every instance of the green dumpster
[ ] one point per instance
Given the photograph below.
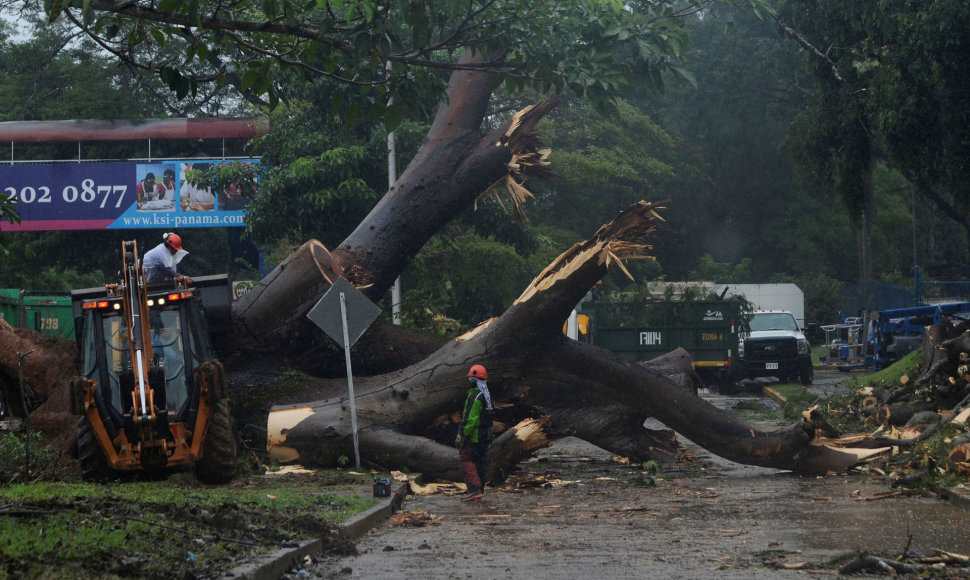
(48, 313)
(640, 331)
(10, 306)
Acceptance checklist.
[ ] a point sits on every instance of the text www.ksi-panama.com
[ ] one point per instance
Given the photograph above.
(184, 220)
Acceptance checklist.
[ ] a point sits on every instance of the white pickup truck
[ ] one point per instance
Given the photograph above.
(774, 347)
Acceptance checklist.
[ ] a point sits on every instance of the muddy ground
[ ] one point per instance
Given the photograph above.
(573, 512)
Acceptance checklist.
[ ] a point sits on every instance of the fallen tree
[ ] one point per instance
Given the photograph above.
(531, 364)
(554, 385)
(455, 166)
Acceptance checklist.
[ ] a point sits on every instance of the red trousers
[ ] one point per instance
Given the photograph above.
(471, 458)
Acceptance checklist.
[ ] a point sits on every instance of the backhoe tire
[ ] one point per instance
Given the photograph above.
(94, 465)
(218, 462)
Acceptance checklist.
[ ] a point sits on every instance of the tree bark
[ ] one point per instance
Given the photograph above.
(455, 165)
(534, 371)
(528, 359)
(946, 350)
(47, 371)
(272, 317)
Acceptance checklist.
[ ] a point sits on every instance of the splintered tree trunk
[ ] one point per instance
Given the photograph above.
(548, 386)
(946, 350)
(455, 165)
(578, 387)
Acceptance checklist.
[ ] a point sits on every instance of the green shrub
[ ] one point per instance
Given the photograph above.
(13, 457)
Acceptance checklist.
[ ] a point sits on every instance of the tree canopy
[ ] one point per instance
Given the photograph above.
(891, 81)
(716, 148)
(392, 52)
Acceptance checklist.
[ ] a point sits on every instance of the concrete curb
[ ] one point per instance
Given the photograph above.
(360, 524)
(958, 498)
(273, 565)
(774, 395)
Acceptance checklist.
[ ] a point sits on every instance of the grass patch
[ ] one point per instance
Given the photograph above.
(797, 399)
(756, 411)
(170, 528)
(818, 352)
(796, 394)
(910, 365)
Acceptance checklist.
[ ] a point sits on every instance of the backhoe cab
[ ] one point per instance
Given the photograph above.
(150, 393)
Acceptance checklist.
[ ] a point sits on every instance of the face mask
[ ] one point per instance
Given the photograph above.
(179, 255)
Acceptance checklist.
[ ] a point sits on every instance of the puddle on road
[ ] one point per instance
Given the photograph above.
(884, 526)
(586, 520)
(830, 516)
(824, 516)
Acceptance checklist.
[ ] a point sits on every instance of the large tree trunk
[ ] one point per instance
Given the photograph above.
(535, 372)
(530, 361)
(455, 165)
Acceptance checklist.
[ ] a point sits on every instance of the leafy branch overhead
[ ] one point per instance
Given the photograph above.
(8, 212)
(395, 52)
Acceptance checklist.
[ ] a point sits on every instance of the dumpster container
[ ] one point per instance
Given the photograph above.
(640, 331)
(48, 313)
(10, 306)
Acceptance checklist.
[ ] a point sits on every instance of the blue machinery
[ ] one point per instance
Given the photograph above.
(845, 347)
(888, 335)
(899, 331)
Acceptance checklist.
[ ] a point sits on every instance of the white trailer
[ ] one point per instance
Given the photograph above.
(768, 297)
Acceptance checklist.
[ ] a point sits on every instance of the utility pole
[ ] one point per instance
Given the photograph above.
(391, 181)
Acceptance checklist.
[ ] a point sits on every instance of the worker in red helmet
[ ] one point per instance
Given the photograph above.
(475, 433)
(160, 262)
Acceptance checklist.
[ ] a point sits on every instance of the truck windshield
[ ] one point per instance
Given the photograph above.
(166, 338)
(773, 321)
(167, 349)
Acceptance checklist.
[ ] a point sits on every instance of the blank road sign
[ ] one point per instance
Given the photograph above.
(361, 312)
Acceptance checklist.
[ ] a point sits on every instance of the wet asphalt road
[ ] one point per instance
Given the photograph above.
(572, 512)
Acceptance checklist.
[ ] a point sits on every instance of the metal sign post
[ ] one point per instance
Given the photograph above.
(350, 377)
(344, 313)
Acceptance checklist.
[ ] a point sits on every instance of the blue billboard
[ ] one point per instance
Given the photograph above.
(128, 195)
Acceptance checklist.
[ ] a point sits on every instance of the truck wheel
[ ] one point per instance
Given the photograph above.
(807, 375)
(219, 450)
(727, 384)
(94, 465)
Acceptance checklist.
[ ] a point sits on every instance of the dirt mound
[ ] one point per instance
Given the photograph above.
(48, 365)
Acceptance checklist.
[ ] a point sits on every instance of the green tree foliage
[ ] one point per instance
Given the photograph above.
(710, 270)
(391, 52)
(892, 76)
(740, 181)
(321, 177)
(918, 88)
(603, 163)
(464, 276)
(323, 172)
(477, 266)
(50, 73)
(51, 70)
(8, 212)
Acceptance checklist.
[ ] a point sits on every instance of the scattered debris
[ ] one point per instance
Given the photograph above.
(415, 519)
(433, 488)
(289, 470)
(942, 565)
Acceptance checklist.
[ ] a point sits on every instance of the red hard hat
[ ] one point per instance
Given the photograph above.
(478, 371)
(173, 241)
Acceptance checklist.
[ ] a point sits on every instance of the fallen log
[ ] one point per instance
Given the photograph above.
(942, 348)
(529, 360)
(455, 166)
(876, 565)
